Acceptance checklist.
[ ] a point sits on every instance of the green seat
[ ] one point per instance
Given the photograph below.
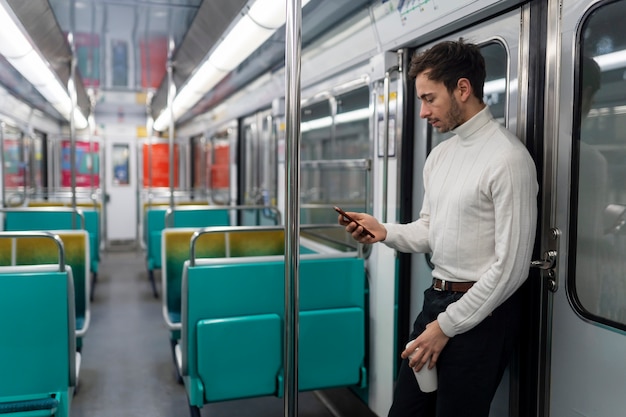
(176, 245)
(41, 250)
(38, 360)
(226, 304)
(43, 218)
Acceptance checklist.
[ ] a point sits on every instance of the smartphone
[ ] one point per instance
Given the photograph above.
(344, 214)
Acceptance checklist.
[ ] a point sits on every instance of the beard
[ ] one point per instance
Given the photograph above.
(454, 118)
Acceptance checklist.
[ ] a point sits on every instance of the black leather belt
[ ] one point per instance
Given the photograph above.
(443, 285)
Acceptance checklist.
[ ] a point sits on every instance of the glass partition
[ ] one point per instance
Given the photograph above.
(336, 148)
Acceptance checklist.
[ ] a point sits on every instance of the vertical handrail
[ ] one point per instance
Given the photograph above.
(71, 88)
(171, 92)
(293, 43)
(386, 139)
(43, 234)
(4, 200)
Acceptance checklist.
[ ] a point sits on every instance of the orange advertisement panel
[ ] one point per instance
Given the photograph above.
(156, 165)
(220, 166)
(220, 176)
(222, 154)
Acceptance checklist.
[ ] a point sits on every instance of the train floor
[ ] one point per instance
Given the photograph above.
(127, 368)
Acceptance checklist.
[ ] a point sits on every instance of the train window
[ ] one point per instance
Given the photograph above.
(335, 138)
(38, 162)
(259, 146)
(218, 161)
(14, 160)
(597, 278)
(495, 91)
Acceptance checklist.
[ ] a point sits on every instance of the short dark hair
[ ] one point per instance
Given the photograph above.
(449, 61)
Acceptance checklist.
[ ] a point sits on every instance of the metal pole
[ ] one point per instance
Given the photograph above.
(292, 167)
(171, 93)
(71, 87)
(4, 200)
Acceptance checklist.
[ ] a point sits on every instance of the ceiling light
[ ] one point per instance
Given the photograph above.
(18, 50)
(254, 28)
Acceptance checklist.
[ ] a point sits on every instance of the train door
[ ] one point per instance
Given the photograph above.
(582, 218)
(121, 186)
(504, 44)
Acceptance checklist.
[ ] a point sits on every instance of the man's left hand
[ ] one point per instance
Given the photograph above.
(429, 345)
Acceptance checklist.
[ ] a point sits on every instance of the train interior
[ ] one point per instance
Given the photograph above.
(82, 151)
(150, 181)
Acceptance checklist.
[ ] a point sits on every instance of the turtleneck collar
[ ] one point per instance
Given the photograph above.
(470, 127)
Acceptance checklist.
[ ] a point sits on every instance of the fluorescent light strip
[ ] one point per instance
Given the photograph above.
(248, 34)
(611, 61)
(16, 48)
(351, 116)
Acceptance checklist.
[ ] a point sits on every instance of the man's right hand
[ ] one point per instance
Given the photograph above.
(368, 221)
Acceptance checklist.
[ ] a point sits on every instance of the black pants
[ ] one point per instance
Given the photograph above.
(469, 368)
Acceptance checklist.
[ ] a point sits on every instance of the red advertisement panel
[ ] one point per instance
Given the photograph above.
(153, 54)
(220, 174)
(86, 162)
(156, 165)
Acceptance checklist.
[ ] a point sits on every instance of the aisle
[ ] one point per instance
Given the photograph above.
(126, 366)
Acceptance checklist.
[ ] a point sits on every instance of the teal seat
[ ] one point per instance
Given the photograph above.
(226, 304)
(53, 217)
(153, 224)
(176, 244)
(42, 250)
(197, 217)
(38, 360)
(48, 218)
(92, 225)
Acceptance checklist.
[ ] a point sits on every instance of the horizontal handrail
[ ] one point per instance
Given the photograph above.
(361, 164)
(224, 229)
(56, 238)
(170, 210)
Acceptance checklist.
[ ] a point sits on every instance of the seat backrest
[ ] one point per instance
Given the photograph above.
(37, 353)
(153, 225)
(46, 218)
(91, 213)
(39, 250)
(197, 217)
(223, 299)
(175, 251)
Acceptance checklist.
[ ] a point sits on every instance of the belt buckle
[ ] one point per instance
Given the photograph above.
(442, 287)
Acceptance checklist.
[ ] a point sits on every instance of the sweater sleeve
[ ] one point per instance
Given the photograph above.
(412, 237)
(513, 186)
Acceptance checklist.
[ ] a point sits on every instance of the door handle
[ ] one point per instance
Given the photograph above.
(548, 261)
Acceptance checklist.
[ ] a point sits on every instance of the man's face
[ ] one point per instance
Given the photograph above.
(438, 106)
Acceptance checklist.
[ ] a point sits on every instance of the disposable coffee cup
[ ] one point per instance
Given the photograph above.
(426, 378)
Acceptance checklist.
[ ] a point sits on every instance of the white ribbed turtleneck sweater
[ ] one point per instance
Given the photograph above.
(478, 218)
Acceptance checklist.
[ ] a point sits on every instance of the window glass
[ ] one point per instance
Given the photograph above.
(598, 280)
(335, 139)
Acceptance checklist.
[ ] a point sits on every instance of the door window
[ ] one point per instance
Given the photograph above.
(597, 274)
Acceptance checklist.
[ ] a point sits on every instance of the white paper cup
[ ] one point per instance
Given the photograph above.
(426, 378)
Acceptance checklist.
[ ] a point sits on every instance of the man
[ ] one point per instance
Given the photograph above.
(478, 219)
